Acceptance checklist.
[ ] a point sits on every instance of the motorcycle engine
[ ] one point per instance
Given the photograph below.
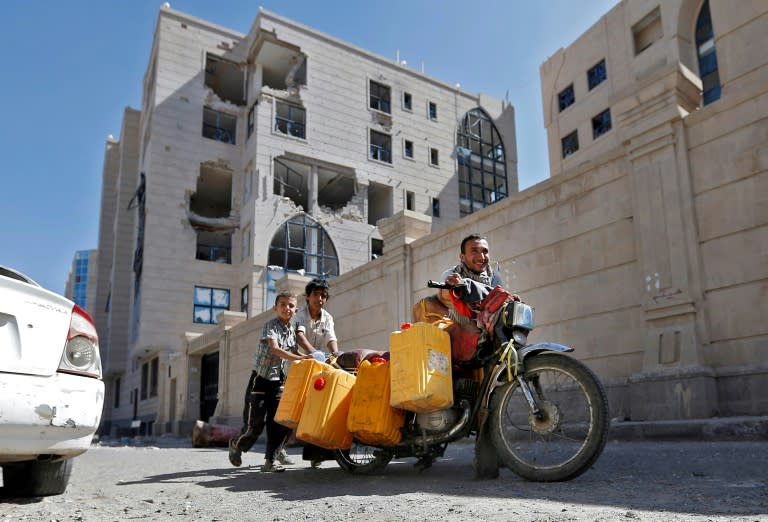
(437, 421)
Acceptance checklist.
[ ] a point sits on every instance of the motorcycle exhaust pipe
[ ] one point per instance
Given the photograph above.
(439, 438)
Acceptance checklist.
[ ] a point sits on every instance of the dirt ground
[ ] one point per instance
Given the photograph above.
(632, 481)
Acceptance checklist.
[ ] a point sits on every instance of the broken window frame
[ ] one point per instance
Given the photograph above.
(290, 125)
(380, 148)
(218, 131)
(284, 187)
(379, 97)
(211, 252)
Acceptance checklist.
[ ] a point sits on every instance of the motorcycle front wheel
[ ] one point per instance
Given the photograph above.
(362, 460)
(569, 433)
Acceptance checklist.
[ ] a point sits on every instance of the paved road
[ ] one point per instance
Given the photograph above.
(646, 481)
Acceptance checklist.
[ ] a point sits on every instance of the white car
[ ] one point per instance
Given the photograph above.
(51, 388)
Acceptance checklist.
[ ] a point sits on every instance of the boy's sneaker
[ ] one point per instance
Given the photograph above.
(284, 459)
(234, 456)
(316, 464)
(271, 467)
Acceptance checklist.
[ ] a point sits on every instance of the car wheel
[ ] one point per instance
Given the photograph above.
(37, 478)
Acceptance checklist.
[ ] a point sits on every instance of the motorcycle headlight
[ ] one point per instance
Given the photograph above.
(518, 315)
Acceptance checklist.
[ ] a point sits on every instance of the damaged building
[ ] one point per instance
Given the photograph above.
(260, 160)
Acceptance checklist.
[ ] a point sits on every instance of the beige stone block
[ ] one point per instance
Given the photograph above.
(738, 312)
(740, 30)
(732, 259)
(735, 207)
(744, 353)
(731, 157)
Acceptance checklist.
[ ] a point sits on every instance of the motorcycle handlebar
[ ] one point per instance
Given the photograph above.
(438, 284)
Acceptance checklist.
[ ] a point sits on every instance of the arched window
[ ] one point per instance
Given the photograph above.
(705, 50)
(301, 243)
(482, 164)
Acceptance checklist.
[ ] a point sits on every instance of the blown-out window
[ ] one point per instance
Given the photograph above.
(290, 119)
(381, 147)
(379, 97)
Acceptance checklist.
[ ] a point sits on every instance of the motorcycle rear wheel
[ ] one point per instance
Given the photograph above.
(568, 436)
(362, 460)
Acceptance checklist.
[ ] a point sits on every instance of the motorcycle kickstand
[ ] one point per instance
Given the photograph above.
(423, 463)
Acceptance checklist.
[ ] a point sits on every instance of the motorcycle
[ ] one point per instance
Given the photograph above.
(530, 407)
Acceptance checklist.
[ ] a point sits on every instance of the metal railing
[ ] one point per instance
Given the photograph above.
(215, 253)
(289, 127)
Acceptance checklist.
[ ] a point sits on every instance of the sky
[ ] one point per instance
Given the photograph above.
(70, 68)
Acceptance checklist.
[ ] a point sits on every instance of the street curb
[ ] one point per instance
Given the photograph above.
(719, 428)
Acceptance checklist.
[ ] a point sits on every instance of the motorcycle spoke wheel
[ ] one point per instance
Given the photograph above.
(569, 433)
(362, 460)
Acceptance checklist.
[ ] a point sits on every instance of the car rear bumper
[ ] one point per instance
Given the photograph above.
(53, 415)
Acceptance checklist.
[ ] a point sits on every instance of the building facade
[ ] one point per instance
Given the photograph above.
(646, 249)
(81, 281)
(259, 160)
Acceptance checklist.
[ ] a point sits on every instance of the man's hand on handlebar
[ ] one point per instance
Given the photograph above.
(452, 281)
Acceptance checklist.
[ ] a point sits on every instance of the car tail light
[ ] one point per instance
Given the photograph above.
(81, 353)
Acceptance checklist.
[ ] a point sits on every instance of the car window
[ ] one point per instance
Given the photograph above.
(15, 275)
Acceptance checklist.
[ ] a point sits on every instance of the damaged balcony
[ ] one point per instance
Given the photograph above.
(380, 202)
(210, 214)
(335, 190)
(318, 188)
(291, 180)
(226, 79)
(281, 65)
